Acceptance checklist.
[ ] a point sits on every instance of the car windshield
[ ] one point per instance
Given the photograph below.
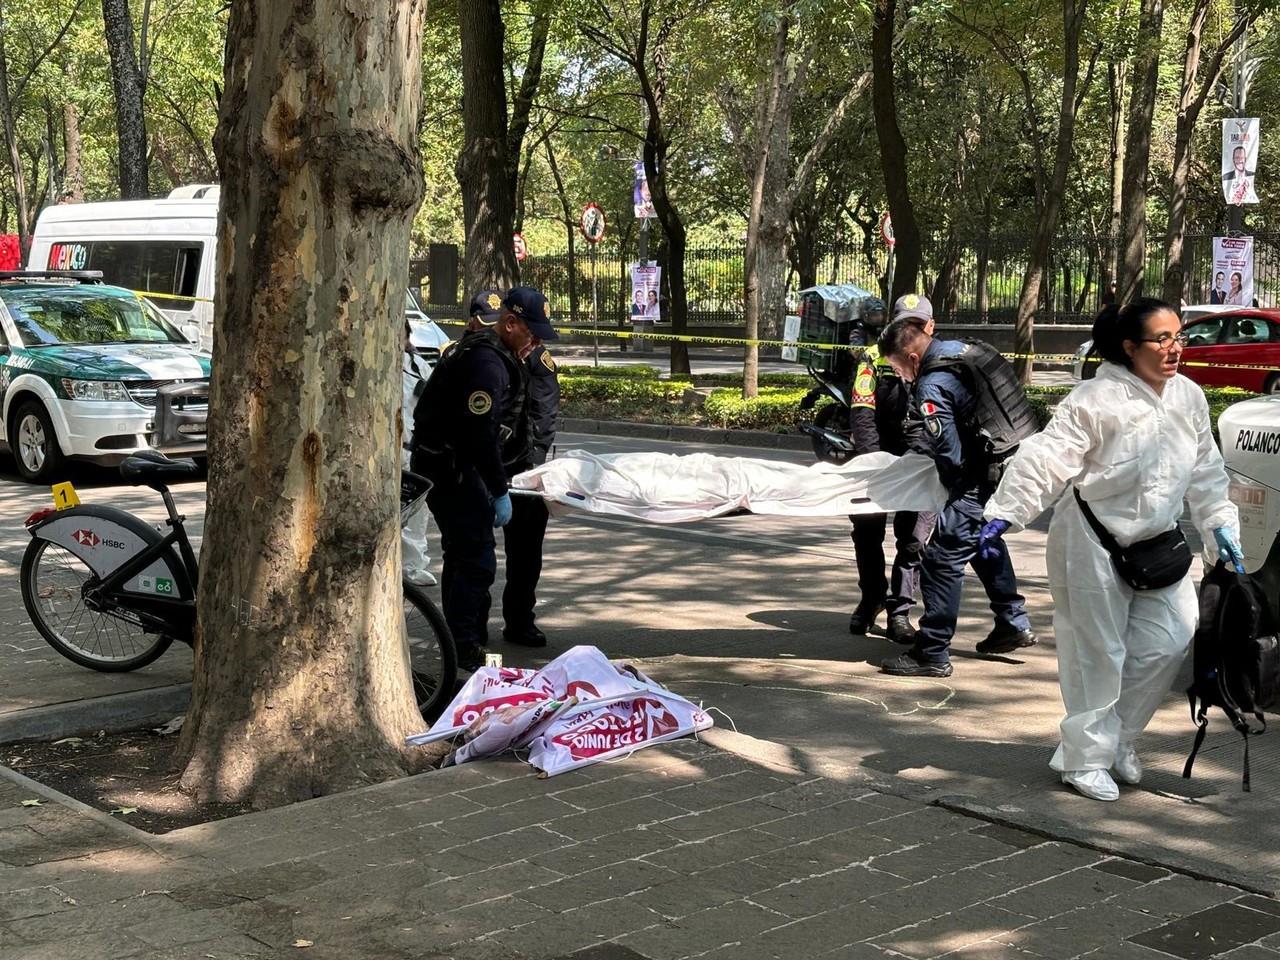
(52, 316)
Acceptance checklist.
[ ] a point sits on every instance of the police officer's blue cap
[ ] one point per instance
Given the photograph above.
(486, 306)
(531, 306)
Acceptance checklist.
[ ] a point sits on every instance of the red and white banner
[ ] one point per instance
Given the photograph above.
(579, 709)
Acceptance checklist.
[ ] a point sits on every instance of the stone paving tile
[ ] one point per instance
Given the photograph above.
(1077, 932)
(1141, 872)
(102, 916)
(598, 822)
(941, 856)
(952, 931)
(1265, 904)
(684, 896)
(499, 881)
(613, 848)
(592, 796)
(830, 930)
(233, 947)
(986, 950)
(1059, 894)
(824, 821)
(1040, 863)
(35, 902)
(1010, 835)
(114, 944)
(747, 877)
(702, 932)
(812, 794)
(695, 855)
(180, 929)
(514, 845)
(1210, 932)
(414, 815)
(1252, 951)
(922, 824)
(828, 853)
(604, 883)
(560, 934)
(728, 788)
(946, 892)
(813, 895)
(510, 816)
(1174, 896)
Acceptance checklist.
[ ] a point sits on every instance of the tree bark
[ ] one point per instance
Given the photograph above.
(1191, 101)
(129, 86)
(1116, 73)
(21, 202)
(301, 683)
(484, 175)
(893, 152)
(570, 231)
(1137, 152)
(73, 173)
(1073, 17)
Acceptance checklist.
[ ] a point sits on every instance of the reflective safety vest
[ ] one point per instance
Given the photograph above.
(1002, 414)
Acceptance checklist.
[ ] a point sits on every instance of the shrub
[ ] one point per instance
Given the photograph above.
(621, 389)
(623, 372)
(775, 408)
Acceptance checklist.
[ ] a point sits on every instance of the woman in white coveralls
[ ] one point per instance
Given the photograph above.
(1135, 441)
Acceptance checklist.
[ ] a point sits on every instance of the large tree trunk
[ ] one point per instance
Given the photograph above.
(301, 684)
(1073, 16)
(73, 173)
(893, 152)
(1137, 152)
(1116, 73)
(11, 142)
(129, 86)
(570, 231)
(487, 182)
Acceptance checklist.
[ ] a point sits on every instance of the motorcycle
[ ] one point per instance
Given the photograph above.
(828, 427)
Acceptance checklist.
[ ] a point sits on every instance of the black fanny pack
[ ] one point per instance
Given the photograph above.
(1150, 564)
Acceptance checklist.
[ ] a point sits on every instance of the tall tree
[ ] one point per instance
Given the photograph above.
(1050, 179)
(489, 163)
(1192, 94)
(893, 152)
(129, 81)
(301, 683)
(1137, 152)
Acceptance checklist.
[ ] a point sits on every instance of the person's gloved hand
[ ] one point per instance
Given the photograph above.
(991, 532)
(1229, 548)
(502, 510)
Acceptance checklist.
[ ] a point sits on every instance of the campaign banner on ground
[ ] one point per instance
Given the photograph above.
(641, 201)
(646, 290)
(1239, 159)
(580, 708)
(1232, 281)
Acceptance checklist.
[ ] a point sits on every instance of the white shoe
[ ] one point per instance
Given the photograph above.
(1094, 784)
(420, 578)
(1127, 766)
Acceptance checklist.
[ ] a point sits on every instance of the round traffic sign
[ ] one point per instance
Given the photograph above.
(592, 223)
(886, 229)
(522, 248)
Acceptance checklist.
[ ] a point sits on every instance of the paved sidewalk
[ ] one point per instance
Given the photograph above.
(684, 850)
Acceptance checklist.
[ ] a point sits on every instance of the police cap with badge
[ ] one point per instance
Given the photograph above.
(530, 305)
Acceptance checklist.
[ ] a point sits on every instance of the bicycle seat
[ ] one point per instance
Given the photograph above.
(148, 467)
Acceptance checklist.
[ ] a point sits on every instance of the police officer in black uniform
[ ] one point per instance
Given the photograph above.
(878, 411)
(522, 537)
(467, 426)
(974, 412)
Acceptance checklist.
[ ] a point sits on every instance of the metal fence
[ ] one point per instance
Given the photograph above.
(970, 280)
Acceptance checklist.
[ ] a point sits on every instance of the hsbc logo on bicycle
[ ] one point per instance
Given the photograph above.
(87, 538)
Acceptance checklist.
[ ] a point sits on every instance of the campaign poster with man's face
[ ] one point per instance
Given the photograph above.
(646, 290)
(1232, 271)
(1239, 159)
(640, 197)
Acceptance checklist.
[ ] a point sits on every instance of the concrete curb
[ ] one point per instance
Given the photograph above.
(658, 431)
(121, 711)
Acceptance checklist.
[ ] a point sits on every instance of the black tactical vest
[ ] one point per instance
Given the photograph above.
(1002, 415)
(442, 381)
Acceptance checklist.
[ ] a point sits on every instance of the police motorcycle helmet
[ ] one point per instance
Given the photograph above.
(871, 319)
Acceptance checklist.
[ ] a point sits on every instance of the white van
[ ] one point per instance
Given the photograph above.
(165, 246)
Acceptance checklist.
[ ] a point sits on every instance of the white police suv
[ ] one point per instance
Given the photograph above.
(93, 372)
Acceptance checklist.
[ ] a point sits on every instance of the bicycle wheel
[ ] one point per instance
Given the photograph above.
(52, 580)
(431, 652)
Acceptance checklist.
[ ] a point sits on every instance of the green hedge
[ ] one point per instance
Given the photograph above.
(623, 372)
(774, 408)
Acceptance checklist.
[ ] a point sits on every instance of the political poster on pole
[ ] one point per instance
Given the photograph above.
(1239, 159)
(1232, 281)
(646, 290)
(640, 197)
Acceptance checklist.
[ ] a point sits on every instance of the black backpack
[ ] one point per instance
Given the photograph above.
(1236, 652)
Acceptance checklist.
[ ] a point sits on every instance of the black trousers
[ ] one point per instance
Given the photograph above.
(460, 504)
(911, 533)
(522, 540)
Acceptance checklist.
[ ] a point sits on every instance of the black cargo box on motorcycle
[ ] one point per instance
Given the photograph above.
(827, 315)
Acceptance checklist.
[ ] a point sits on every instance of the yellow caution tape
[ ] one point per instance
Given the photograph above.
(153, 294)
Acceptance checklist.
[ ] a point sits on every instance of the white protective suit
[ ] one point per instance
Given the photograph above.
(1134, 455)
(413, 534)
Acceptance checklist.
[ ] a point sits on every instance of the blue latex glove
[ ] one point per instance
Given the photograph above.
(992, 531)
(1229, 548)
(502, 510)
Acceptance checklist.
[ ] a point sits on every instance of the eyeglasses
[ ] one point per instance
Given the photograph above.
(1164, 343)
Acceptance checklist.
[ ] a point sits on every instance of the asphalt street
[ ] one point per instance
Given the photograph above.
(748, 615)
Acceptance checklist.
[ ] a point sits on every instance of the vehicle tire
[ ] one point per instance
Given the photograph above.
(1273, 384)
(831, 417)
(432, 655)
(35, 444)
(51, 579)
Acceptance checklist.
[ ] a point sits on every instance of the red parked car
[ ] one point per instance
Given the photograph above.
(1248, 336)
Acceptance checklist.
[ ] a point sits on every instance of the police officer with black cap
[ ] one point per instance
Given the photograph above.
(878, 412)
(468, 425)
(975, 413)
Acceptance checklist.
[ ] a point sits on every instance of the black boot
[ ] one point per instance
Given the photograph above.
(863, 618)
(1005, 639)
(901, 630)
